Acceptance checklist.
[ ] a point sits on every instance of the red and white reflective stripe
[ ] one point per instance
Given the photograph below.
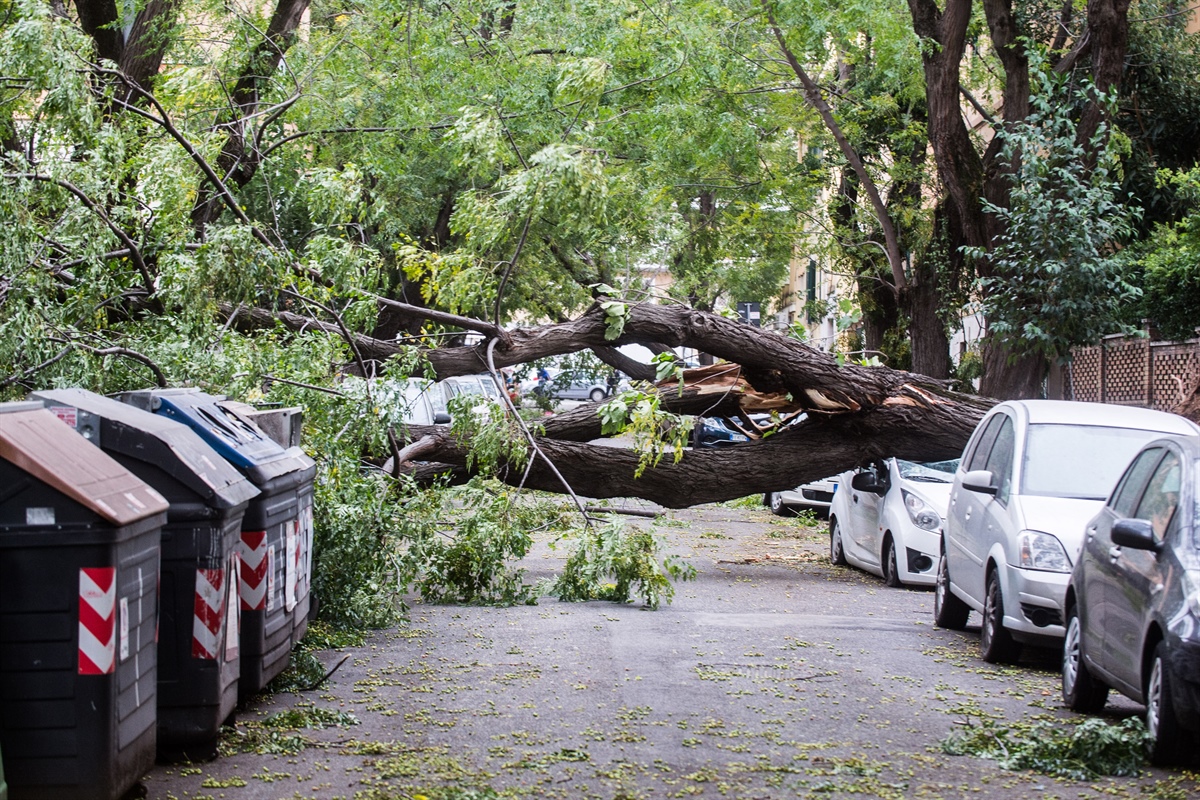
(291, 557)
(232, 625)
(305, 555)
(97, 620)
(209, 614)
(252, 577)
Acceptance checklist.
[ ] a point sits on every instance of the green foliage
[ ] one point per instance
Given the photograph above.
(278, 733)
(1084, 751)
(1160, 104)
(1054, 280)
(614, 563)
(655, 431)
(470, 563)
(968, 370)
(1168, 264)
(496, 440)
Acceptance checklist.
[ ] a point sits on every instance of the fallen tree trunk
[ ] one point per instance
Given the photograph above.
(852, 413)
(809, 451)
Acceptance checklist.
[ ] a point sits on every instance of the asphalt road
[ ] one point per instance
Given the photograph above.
(772, 675)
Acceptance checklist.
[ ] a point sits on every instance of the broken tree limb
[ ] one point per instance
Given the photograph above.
(809, 451)
(771, 362)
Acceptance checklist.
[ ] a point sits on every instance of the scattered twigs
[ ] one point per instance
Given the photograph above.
(329, 674)
(346, 335)
(630, 512)
(269, 378)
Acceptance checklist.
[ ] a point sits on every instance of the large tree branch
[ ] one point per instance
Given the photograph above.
(771, 362)
(811, 451)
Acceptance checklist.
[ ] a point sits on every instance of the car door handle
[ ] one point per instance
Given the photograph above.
(1114, 552)
(967, 515)
(1091, 533)
(854, 497)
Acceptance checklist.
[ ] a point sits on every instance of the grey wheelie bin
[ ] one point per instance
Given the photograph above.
(269, 546)
(198, 648)
(79, 555)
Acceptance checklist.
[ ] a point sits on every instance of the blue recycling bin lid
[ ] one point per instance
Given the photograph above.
(235, 438)
(152, 438)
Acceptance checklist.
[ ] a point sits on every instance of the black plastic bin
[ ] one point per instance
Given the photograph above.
(269, 538)
(79, 556)
(283, 425)
(198, 649)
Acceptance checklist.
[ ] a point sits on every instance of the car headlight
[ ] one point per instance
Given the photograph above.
(921, 513)
(1042, 551)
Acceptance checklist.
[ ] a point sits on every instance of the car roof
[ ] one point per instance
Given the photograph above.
(1190, 445)
(1072, 412)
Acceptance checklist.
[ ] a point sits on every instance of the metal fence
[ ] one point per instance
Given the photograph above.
(1134, 371)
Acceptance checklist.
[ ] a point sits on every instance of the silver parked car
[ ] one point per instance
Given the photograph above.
(1032, 475)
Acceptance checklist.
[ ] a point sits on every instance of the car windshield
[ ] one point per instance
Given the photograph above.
(929, 471)
(1081, 461)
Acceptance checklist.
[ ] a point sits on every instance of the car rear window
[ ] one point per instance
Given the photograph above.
(1082, 461)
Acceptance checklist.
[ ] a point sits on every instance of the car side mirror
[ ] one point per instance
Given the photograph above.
(866, 482)
(1135, 533)
(979, 480)
(441, 418)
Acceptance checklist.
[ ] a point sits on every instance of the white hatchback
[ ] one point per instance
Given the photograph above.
(886, 518)
(1032, 475)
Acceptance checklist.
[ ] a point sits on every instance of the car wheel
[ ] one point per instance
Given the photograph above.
(891, 570)
(837, 555)
(996, 644)
(597, 395)
(948, 611)
(1166, 738)
(1080, 689)
(775, 501)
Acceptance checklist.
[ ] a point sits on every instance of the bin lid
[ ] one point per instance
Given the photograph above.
(37, 442)
(158, 440)
(238, 440)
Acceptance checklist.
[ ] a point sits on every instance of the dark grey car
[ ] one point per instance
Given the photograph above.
(1133, 603)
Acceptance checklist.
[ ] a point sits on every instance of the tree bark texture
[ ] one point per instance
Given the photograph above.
(813, 450)
(138, 54)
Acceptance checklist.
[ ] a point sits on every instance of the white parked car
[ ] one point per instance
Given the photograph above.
(815, 496)
(1032, 475)
(887, 518)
